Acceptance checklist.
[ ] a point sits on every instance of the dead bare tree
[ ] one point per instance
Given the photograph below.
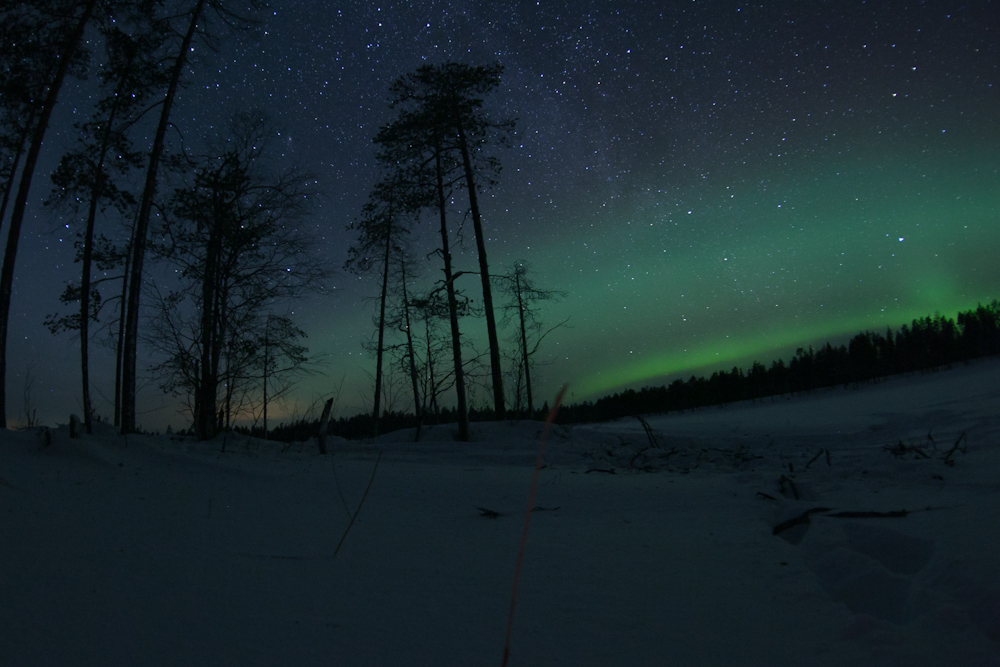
(230, 234)
(521, 307)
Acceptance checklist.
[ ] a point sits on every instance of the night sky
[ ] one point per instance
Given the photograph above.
(710, 182)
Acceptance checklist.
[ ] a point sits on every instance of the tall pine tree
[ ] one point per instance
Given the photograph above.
(65, 23)
(447, 101)
(198, 14)
(86, 176)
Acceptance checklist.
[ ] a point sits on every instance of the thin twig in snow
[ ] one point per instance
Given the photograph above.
(367, 489)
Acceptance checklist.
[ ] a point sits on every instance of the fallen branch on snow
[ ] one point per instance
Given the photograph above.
(846, 514)
(797, 520)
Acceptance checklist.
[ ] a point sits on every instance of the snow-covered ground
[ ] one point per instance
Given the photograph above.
(660, 551)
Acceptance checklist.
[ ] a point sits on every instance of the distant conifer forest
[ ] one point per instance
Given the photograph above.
(869, 357)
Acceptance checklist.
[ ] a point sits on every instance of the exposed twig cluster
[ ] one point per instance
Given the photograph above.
(902, 450)
(818, 454)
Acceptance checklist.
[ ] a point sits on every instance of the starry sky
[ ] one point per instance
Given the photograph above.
(709, 182)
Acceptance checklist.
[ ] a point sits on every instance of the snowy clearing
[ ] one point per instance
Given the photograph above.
(768, 534)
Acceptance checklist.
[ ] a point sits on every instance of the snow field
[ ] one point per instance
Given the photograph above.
(185, 555)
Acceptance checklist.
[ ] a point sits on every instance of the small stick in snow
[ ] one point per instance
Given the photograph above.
(787, 482)
(4, 482)
(948, 461)
(795, 521)
(488, 513)
(813, 459)
(336, 480)
(631, 463)
(900, 450)
(610, 471)
(649, 432)
(847, 514)
(367, 489)
(869, 514)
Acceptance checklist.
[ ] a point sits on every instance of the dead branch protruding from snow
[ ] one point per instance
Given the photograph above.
(649, 432)
(367, 489)
(957, 447)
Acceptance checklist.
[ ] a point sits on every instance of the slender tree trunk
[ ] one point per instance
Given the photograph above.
(142, 225)
(208, 389)
(88, 250)
(484, 273)
(456, 341)
(215, 360)
(524, 346)
(121, 332)
(218, 341)
(20, 202)
(409, 347)
(267, 352)
(430, 390)
(381, 326)
(232, 376)
(88, 245)
(9, 185)
(229, 386)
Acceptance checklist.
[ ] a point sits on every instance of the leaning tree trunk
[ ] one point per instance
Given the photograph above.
(88, 249)
(206, 421)
(20, 202)
(142, 225)
(119, 348)
(267, 352)
(96, 193)
(484, 273)
(381, 326)
(8, 187)
(456, 341)
(524, 346)
(409, 348)
(430, 389)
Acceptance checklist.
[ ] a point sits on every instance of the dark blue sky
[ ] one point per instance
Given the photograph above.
(711, 182)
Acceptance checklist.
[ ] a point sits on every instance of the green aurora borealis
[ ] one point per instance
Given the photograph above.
(814, 252)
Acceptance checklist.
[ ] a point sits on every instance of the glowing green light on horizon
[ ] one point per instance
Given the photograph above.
(852, 247)
(723, 353)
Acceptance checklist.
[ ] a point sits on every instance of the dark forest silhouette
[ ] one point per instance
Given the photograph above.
(927, 343)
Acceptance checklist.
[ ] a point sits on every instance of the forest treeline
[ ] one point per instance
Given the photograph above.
(869, 357)
(927, 343)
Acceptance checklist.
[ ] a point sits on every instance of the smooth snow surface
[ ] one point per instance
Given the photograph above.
(164, 551)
